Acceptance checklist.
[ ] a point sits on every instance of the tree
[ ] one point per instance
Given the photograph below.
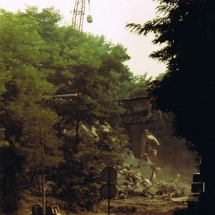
(138, 86)
(96, 74)
(186, 30)
(38, 59)
(23, 85)
(90, 65)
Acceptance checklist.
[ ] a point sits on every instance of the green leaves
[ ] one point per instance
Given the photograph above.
(23, 84)
(38, 59)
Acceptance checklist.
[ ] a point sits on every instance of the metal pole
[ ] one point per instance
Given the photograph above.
(43, 174)
(43, 153)
(109, 191)
(43, 193)
(108, 206)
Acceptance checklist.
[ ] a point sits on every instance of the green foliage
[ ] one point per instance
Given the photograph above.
(139, 85)
(38, 59)
(134, 86)
(78, 181)
(97, 74)
(23, 84)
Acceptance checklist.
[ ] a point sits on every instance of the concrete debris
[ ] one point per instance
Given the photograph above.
(150, 138)
(138, 177)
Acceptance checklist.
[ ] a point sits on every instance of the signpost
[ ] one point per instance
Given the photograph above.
(109, 175)
(108, 190)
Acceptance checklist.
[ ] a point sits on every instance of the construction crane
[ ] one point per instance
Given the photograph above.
(78, 14)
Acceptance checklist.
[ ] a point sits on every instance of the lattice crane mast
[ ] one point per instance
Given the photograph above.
(78, 14)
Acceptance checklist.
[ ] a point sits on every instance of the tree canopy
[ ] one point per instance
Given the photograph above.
(186, 30)
(73, 138)
(38, 59)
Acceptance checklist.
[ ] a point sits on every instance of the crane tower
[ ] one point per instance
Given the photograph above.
(78, 14)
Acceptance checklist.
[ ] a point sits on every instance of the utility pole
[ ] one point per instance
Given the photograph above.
(43, 153)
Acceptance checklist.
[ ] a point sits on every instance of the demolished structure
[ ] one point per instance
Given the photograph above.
(140, 176)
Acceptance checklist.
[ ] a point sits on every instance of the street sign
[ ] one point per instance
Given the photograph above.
(108, 191)
(109, 175)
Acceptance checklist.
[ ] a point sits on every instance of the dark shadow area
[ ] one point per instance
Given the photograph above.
(181, 212)
(186, 212)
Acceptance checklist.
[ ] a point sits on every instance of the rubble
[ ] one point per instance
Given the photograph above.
(137, 177)
(141, 177)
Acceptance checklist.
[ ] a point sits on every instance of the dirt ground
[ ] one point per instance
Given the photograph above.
(141, 206)
(131, 206)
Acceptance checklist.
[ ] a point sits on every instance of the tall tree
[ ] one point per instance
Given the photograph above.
(23, 86)
(39, 58)
(186, 30)
(90, 65)
(96, 74)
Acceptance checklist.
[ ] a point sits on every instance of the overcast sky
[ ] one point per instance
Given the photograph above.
(109, 19)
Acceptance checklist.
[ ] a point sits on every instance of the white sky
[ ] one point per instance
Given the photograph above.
(109, 19)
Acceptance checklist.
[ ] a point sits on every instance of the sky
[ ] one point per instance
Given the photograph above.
(109, 19)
